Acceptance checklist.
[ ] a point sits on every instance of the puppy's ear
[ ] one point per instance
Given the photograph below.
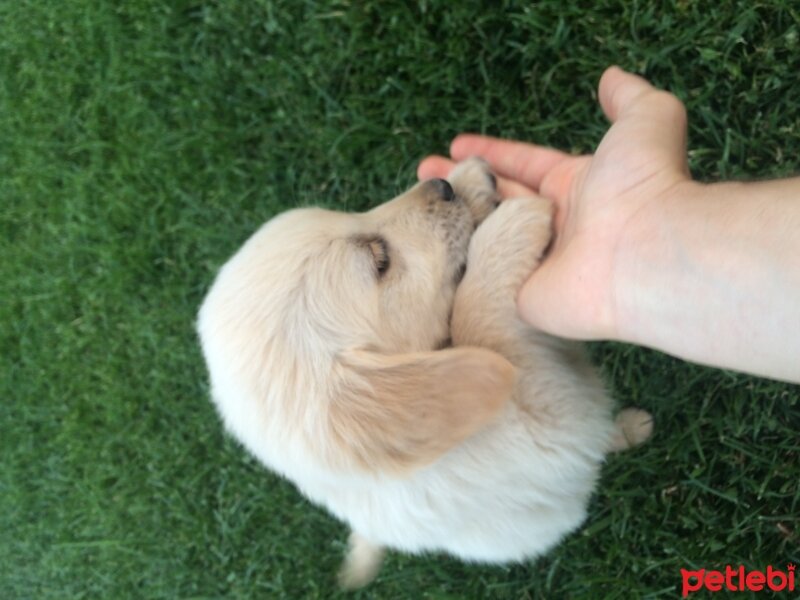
(400, 412)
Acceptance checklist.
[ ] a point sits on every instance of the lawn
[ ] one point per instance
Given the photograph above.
(142, 141)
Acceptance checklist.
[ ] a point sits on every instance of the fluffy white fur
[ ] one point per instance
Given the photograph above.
(346, 356)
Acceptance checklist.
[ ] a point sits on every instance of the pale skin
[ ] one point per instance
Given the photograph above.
(644, 254)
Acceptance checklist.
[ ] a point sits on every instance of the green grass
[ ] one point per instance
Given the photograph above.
(142, 141)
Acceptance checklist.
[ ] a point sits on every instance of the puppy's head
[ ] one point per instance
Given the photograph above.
(326, 337)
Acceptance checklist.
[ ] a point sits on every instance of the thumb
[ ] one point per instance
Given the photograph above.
(619, 90)
(646, 112)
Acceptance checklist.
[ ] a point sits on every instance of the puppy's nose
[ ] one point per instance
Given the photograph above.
(443, 189)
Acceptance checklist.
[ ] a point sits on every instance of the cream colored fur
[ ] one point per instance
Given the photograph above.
(419, 410)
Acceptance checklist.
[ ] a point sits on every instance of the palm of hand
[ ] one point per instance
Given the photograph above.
(599, 198)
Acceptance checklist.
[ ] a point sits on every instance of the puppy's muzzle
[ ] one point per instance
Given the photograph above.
(440, 189)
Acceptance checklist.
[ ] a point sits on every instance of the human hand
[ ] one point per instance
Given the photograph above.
(601, 201)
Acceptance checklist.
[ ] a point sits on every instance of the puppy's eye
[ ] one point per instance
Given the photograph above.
(380, 254)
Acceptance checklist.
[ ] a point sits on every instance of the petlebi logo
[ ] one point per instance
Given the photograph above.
(738, 579)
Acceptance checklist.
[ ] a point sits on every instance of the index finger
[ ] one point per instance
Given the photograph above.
(526, 163)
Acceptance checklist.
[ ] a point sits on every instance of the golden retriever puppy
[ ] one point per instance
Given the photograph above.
(376, 360)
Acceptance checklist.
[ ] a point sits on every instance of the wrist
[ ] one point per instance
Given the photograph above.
(708, 273)
(648, 261)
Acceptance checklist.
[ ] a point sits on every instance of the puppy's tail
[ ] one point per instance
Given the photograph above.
(632, 427)
(362, 563)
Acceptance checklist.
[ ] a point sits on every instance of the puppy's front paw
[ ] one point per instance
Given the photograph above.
(527, 224)
(518, 232)
(473, 181)
(510, 243)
